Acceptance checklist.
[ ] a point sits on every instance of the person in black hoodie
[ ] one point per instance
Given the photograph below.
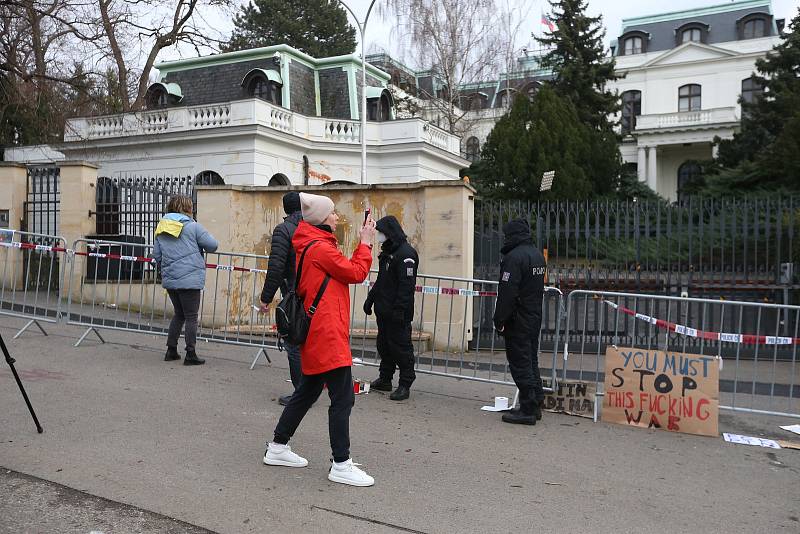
(393, 299)
(518, 317)
(280, 274)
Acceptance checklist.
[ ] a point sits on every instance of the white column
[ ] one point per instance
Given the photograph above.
(641, 164)
(652, 167)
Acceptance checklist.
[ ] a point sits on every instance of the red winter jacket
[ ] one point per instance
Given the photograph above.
(327, 346)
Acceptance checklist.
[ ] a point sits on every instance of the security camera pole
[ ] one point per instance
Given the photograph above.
(362, 28)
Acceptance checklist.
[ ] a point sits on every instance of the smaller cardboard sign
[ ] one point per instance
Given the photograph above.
(657, 389)
(571, 397)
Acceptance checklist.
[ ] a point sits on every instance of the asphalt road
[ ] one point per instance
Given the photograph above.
(134, 444)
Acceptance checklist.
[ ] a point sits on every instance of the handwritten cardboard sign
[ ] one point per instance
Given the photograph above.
(656, 389)
(571, 397)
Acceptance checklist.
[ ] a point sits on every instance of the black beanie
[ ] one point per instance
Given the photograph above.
(291, 202)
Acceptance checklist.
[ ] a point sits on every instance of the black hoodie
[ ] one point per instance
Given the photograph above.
(521, 289)
(393, 293)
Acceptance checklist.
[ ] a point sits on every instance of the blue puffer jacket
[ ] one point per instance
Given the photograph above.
(180, 243)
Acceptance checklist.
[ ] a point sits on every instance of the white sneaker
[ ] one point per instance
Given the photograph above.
(348, 473)
(278, 454)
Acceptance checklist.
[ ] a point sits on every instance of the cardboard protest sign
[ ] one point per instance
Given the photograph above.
(656, 389)
(571, 397)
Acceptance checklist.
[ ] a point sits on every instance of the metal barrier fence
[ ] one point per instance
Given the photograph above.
(449, 331)
(758, 343)
(30, 276)
(115, 285)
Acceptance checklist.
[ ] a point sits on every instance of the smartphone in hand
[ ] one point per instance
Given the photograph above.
(366, 215)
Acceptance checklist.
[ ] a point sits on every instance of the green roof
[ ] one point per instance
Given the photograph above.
(697, 12)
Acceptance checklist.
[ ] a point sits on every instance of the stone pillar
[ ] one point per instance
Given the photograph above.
(641, 165)
(652, 168)
(13, 184)
(78, 197)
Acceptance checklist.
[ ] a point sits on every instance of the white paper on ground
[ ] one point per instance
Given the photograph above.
(495, 409)
(748, 440)
(500, 405)
(792, 428)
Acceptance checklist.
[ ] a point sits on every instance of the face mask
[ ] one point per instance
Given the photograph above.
(380, 237)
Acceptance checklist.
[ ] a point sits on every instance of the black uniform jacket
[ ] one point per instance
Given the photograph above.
(280, 268)
(393, 293)
(521, 288)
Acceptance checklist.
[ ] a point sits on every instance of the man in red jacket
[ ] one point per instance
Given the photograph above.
(325, 357)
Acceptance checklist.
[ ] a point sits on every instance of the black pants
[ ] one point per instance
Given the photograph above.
(340, 390)
(186, 303)
(522, 352)
(396, 350)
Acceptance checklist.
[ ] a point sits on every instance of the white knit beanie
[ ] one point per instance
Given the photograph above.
(315, 208)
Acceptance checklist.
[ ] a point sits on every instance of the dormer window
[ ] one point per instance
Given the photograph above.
(264, 84)
(633, 42)
(755, 25)
(691, 32)
(380, 104)
(691, 35)
(160, 95)
(503, 98)
(633, 45)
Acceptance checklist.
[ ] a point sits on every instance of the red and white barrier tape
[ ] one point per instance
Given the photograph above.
(426, 290)
(747, 339)
(453, 291)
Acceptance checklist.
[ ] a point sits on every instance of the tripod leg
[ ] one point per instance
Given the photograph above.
(29, 323)
(10, 362)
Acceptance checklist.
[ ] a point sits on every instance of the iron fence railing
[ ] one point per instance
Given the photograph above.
(697, 243)
(129, 207)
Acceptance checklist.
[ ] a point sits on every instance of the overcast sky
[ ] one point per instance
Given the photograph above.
(380, 34)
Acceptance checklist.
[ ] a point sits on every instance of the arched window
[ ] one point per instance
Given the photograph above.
(631, 108)
(751, 90)
(633, 45)
(264, 84)
(688, 172)
(530, 91)
(689, 97)
(279, 180)
(208, 178)
(160, 95)
(504, 98)
(472, 149)
(633, 42)
(379, 104)
(755, 28)
(691, 32)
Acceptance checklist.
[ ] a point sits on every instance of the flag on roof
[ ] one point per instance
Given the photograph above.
(548, 22)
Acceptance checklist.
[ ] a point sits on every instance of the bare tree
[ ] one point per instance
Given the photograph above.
(462, 43)
(141, 29)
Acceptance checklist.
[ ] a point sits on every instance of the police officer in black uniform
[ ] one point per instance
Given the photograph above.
(393, 299)
(518, 317)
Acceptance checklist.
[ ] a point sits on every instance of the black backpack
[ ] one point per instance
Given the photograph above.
(290, 315)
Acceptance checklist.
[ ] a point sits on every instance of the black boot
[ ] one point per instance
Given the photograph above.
(283, 400)
(537, 409)
(381, 384)
(192, 359)
(517, 417)
(401, 393)
(172, 354)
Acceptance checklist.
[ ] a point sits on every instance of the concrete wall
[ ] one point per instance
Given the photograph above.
(13, 184)
(438, 217)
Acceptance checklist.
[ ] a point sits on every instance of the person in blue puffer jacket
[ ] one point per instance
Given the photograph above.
(180, 242)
